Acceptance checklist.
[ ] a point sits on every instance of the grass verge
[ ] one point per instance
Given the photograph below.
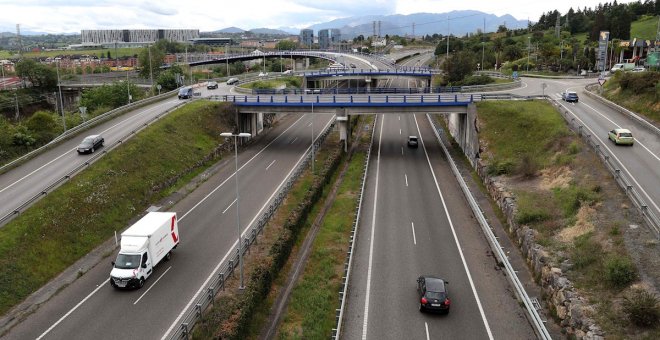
(311, 309)
(86, 211)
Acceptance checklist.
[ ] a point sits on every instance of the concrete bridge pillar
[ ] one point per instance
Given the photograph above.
(367, 80)
(343, 121)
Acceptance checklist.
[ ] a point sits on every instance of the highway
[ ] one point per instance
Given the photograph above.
(641, 161)
(414, 222)
(29, 179)
(90, 308)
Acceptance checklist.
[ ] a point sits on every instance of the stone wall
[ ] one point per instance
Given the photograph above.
(569, 309)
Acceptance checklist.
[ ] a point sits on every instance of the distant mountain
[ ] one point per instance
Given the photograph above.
(230, 30)
(268, 31)
(460, 23)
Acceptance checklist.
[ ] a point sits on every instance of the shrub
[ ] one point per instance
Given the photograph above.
(500, 167)
(619, 271)
(528, 166)
(642, 308)
(586, 251)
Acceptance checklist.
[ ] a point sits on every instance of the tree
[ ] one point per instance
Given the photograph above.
(147, 65)
(37, 74)
(286, 45)
(459, 66)
(109, 55)
(43, 126)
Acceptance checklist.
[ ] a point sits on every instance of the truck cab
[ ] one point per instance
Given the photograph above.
(133, 264)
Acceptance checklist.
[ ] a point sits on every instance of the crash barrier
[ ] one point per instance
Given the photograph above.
(52, 186)
(206, 295)
(339, 313)
(534, 317)
(622, 177)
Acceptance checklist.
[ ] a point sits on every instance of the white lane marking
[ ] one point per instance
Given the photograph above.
(453, 231)
(232, 203)
(402, 151)
(618, 126)
(72, 310)
(232, 175)
(406, 176)
(399, 117)
(62, 155)
(271, 163)
(310, 123)
(152, 285)
(426, 325)
(412, 225)
(373, 232)
(182, 217)
(295, 139)
(399, 131)
(233, 247)
(617, 159)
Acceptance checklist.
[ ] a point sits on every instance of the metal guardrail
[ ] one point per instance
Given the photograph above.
(493, 87)
(535, 318)
(89, 123)
(336, 332)
(352, 100)
(194, 314)
(16, 211)
(612, 163)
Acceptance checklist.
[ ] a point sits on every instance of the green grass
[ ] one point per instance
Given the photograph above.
(517, 128)
(87, 210)
(645, 28)
(311, 310)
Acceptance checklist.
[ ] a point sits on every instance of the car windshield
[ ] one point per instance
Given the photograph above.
(625, 134)
(125, 261)
(87, 141)
(436, 295)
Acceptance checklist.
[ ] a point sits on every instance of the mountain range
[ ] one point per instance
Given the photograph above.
(460, 23)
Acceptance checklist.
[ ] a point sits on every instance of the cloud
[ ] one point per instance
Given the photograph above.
(157, 9)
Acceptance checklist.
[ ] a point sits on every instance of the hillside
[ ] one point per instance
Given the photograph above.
(644, 28)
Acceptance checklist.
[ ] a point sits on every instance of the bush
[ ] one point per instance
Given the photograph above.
(477, 80)
(500, 167)
(586, 251)
(642, 308)
(619, 271)
(528, 166)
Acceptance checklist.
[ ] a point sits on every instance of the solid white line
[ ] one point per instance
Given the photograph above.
(453, 231)
(426, 325)
(271, 163)
(618, 126)
(412, 225)
(373, 232)
(152, 285)
(617, 159)
(406, 176)
(67, 152)
(72, 309)
(234, 245)
(232, 203)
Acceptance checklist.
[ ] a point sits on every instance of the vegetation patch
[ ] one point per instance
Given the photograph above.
(575, 207)
(86, 211)
(637, 91)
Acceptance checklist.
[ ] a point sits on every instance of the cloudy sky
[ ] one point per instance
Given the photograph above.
(71, 16)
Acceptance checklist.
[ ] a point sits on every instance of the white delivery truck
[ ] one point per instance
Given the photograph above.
(143, 246)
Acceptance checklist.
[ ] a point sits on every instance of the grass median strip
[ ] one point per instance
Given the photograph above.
(87, 210)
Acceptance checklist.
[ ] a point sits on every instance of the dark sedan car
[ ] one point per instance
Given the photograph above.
(433, 295)
(90, 143)
(212, 85)
(412, 141)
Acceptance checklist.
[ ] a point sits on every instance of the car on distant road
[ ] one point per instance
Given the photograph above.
(287, 72)
(621, 137)
(569, 96)
(412, 141)
(90, 144)
(638, 69)
(232, 81)
(433, 294)
(212, 85)
(263, 74)
(186, 92)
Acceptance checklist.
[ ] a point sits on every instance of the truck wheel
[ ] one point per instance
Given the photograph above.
(168, 256)
(141, 282)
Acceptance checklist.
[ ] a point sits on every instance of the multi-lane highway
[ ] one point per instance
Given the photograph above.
(90, 308)
(415, 222)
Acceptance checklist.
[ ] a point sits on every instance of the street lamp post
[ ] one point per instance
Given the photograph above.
(238, 217)
(529, 47)
(59, 86)
(151, 72)
(227, 58)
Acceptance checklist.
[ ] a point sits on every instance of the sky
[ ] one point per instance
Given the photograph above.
(72, 16)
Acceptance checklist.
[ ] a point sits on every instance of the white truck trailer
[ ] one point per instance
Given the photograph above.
(143, 246)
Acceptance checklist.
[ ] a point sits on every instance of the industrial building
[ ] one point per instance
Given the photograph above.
(136, 37)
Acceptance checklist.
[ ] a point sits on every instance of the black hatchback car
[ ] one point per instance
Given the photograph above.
(433, 295)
